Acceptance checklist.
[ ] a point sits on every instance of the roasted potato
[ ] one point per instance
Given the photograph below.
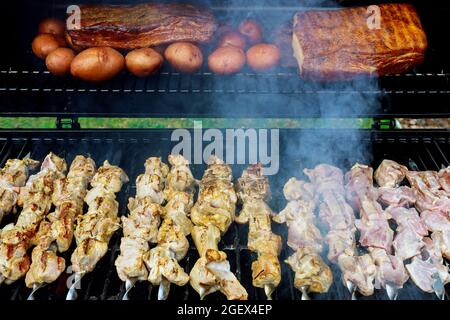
(97, 64)
(263, 57)
(234, 39)
(58, 61)
(52, 26)
(252, 31)
(226, 60)
(184, 57)
(43, 44)
(143, 62)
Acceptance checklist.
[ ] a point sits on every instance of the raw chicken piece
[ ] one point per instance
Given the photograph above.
(444, 179)
(442, 239)
(407, 244)
(325, 177)
(408, 219)
(397, 197)
(298, 190)
(436, 220)
(390, 269)
(340, 241)
(390, 174)
(359, 184)
(375, 233)
(424, 273)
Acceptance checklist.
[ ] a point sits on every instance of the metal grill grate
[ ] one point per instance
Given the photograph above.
(130, 149)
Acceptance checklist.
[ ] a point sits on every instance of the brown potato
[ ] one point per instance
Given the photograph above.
(184, 57)
(234, 39)
(58, 61)
(263, 57)
(227, 60)
(52, 26)
(143, 62)
(43, 44)
(97, 64)
(251, 30)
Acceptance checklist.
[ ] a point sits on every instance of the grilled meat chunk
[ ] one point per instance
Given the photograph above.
(141, 26)
(339, 44)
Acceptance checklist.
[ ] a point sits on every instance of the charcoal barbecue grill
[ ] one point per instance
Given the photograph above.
(27, 90)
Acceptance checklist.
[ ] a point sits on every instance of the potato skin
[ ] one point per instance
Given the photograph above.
(263, 57)
(43, 44)
(53, 26)
(97, 64)
(143, 62)
(234, 39)
(251, 30)
(184, 57)
(58, 62)
(226, 60)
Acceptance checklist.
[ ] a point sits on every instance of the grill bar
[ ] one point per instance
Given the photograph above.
(129, 149)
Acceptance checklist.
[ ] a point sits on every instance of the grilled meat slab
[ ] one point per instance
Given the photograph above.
(338, 44)
(143, 25)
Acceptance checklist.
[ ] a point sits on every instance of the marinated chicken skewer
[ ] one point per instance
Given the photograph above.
(173, 245)
(376, 234)
(13, 176)
(253, 191)
(140, 227)
(56, 231)
(94, 229)
(36, 200)
(212, 215)
(358, 272)
(312, 274)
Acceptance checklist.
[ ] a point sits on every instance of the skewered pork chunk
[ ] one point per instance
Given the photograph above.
(310, 271)
(390, 174)
(335, 212)
(436, 220)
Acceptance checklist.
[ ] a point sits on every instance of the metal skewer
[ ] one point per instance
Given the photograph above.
(268, 290)
(164, 289)
(72, 294)
(392, 291)
(351, 288)
(305, 295)
(129, 284)
(36, 287)
(438, 286)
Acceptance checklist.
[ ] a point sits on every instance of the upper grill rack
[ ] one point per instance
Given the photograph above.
(419, 151)
(26, 89)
